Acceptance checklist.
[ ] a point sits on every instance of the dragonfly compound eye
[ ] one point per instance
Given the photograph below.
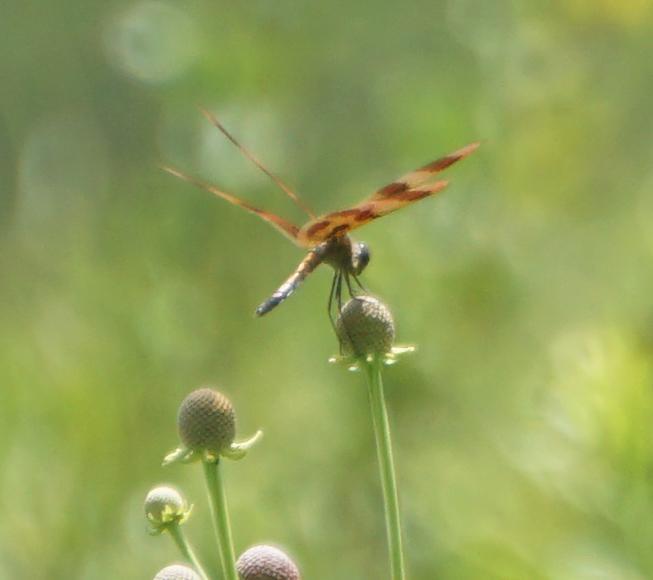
(362, 258)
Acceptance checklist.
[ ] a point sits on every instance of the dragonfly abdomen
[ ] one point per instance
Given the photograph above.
(311, 261)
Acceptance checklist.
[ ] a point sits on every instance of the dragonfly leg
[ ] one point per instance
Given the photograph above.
(359, 283)
(348, 282)
(332, 293)
(338, 295)
(339, 292)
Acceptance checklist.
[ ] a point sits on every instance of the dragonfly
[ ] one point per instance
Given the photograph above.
(326, 237)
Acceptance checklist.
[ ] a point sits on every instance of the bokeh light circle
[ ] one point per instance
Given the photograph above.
(152, 41)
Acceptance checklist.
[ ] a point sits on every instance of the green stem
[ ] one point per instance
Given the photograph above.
(386, 466)
(185, 548)
(221, 525)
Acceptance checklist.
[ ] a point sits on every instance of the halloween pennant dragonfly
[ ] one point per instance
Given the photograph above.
(326, 237)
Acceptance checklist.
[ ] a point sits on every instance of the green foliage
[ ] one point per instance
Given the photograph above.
(523, 428)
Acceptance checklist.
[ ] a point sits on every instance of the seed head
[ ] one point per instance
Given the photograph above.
(177, 572)
(164, 505)
(206, 421)
(266, 563)
(365, 327)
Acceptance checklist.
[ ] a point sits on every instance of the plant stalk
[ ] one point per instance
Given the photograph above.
(186, 551)
(218, 501)
(386, 466)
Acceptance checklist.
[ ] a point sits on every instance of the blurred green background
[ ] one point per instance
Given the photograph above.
(523, 426)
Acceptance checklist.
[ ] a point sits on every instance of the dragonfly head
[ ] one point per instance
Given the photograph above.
(360, 257)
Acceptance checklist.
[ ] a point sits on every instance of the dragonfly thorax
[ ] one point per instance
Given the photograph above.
(342, 253)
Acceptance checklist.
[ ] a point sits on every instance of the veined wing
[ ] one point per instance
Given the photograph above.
(288, 229)
(247, 153)
(416, 178)
(390, 198)
(343, 221)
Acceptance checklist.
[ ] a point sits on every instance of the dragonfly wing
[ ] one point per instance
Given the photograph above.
(392, 197)
(416, 178)
(288, 229)
(246, 152)
(343, 221)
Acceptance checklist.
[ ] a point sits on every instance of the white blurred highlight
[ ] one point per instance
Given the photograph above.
(153, 42)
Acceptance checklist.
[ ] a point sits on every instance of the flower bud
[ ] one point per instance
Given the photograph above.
(164, 505)
(206, 421)
(365, 327)
(177, 572)
(266, 563)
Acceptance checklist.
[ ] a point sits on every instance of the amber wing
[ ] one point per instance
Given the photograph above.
(392, 197)
(288, 229)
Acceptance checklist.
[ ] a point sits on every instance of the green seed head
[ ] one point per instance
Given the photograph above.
(206, 421)
(266, 563)
(177, 572)
(164, 505)
(365, 327)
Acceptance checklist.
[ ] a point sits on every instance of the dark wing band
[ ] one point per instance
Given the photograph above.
(415, 178)
(392, 197)
(343, 221)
